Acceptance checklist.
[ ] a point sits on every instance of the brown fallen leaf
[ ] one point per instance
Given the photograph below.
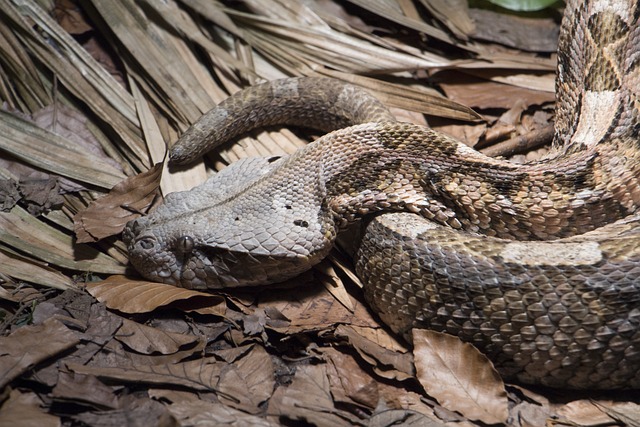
(334, 285)
(200, 413)
(23, 409)
(396, 398)
(309, 398)
(627, 413)
(185, 353)
(539, 34)
(108, 215)
(74, 125)
(230, 355)
(147, 340)
(139, 296)
(349, 383)
(530, 414)
(201, 374)
(585, 412)
(387, 363)
(482, 93)
(24, 347)
(84, 388)
(135, 410)
(68, 15)
(248, 382)
(311, 308)
(9, 194)
(396, 417)
(459, 376)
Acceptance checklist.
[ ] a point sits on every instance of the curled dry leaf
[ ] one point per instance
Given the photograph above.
(459, 376)
(139, 296)
(108, 215)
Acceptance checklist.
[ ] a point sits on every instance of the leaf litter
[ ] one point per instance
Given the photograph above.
(84, 117)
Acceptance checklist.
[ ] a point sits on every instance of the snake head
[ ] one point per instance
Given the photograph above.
(163, 252)
(208, 238)
(155, 255)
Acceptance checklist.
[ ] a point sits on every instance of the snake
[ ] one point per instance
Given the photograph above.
(536, 264)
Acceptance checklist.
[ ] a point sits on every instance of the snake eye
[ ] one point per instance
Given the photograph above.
(185, 244)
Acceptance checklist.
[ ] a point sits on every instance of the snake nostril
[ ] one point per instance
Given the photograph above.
(136, 226)
(146, 243)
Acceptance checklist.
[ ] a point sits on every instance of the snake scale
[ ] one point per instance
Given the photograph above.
(538, 265)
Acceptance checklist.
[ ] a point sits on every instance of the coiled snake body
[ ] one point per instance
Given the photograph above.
(538, 265)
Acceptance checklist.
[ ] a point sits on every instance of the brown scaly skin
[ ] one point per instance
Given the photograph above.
(563, 313)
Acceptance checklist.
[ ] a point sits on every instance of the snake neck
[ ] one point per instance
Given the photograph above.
(402, 167)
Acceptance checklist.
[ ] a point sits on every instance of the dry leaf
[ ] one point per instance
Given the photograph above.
(311, 308)
(530, 414)
(533, 34)
(308, 398)
(84, 388)
(454, 14)
(70, 17)
(249, 382)
(584, 413)
(397, 398)
(334, 285)
(230, 355)
(624, 412)
(349, 383)
(54, 154)
(147, 340)
(24, 348)
(138, 296)
(459, 376)
(387, 363)
(41, 195)
(23, 409)
(73, 125)
(381, 337)
(22, 268)
(136, 410)
(108, 215)
(202, 374)
(482, 93)
(200, 413)
(41, 240)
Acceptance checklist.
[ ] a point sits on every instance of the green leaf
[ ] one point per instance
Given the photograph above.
(524, 5)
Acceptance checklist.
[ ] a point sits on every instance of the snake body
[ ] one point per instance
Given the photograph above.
(538, 265)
